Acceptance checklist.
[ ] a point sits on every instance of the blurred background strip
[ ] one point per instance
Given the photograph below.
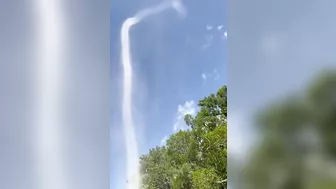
(281, 73)
(55, 96)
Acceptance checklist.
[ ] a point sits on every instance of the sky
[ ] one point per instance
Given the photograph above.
(275, 49)
(271, 55)
(176, 60)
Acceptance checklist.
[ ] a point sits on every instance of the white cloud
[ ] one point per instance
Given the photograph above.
(214, 74)
(209, 38)
(241, 136)
(189, 107)
(236, 143)
(204, 76)
(209, 27)
(208, 41)
(224, 36)
(164, 140)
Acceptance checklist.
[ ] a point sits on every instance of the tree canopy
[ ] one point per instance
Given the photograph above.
(195, 158)
(298, 145)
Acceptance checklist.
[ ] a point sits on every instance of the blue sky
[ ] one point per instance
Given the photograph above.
(176, 62)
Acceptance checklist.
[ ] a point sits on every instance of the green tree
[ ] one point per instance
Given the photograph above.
(178, 148)
(215, 150)
(205, 179)
(192, 159)
(213, 112)
(294, 131)
(155, 170)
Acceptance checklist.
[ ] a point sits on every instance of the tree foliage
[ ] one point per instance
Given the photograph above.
(295, 131)
(192, 159)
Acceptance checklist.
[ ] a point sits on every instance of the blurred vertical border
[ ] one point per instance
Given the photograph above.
(282, 79)
(83, 93)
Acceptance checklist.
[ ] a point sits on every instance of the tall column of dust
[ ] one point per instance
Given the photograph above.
(47, 133)
(133, 171)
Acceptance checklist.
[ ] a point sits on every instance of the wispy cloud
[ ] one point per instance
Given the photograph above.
(224, 35)
(208, 41)
(164, 140)
(239, 132)
(210, 35)
(204, 76)
(214, 74)
(189, 107)
(209, 27)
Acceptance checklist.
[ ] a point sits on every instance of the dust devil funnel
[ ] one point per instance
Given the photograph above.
(132, 160)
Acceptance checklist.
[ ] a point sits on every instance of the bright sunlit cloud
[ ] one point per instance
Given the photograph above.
(189, 107)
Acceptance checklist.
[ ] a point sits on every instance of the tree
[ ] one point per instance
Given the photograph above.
(155, 170)
(205, 179)
(178, 148)
(192, 159)
(215, 150)
(213, 112)
(294, 131)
